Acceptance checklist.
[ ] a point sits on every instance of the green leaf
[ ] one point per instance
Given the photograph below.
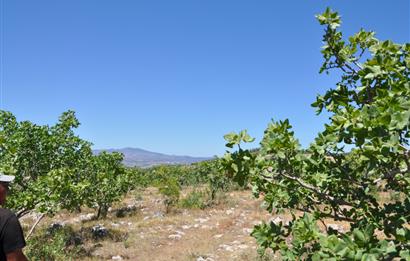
(405, 254)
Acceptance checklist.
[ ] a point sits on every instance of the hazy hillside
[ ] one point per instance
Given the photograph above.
(143, 158)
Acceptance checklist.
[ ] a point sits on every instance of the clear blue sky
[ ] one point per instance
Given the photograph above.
(175, 76)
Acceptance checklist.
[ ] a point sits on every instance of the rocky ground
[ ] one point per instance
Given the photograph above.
(145, 232)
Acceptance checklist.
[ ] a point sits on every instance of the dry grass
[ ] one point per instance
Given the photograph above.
(221, 232)
(217, 233)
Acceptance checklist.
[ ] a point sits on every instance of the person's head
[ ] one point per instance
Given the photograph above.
(4, 186)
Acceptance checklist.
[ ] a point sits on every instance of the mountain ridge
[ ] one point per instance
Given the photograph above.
(137, 157)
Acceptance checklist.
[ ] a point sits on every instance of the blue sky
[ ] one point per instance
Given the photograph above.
(175, 76)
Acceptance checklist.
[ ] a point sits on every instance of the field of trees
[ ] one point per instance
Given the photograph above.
(356, 173)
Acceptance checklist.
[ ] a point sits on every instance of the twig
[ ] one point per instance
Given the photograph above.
(316, 190)
(358, 65)
(340, 63)
(22, 213)
(34, 226)
(325, 215)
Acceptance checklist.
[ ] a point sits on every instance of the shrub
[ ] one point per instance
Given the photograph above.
(170, 189)
(195, 199)
(55, 243)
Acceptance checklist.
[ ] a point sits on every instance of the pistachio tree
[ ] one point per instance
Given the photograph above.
(55, 169)
(361, 156)
(108, 180)
(50, 163)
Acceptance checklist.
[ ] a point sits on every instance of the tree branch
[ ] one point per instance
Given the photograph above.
(336, 217)
(22, 212)
(358, 65)
(316, 190)
(341, 64)
(35, 224)
(313, 189)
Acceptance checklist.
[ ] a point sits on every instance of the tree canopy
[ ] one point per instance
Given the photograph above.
(361, 156)
(55, 169)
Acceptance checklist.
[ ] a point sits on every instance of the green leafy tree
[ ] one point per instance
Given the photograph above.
(168, 185)
(108, 182)
(217, 180)
(362, 152)
(170, 189)
(55, 169)
(50, 163)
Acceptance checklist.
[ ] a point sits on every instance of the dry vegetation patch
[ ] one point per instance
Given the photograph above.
(145, 232)
(138, 228)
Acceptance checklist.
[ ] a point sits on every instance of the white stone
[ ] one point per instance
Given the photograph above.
(227, 248)
(276, 220)
(175, 236)
(229, 212)
(86, 217)
(243, 246)
(201, 220)
(205, 259)
(247, 231)
(336, 227)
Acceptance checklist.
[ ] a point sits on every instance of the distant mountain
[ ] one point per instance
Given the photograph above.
(143, 158)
